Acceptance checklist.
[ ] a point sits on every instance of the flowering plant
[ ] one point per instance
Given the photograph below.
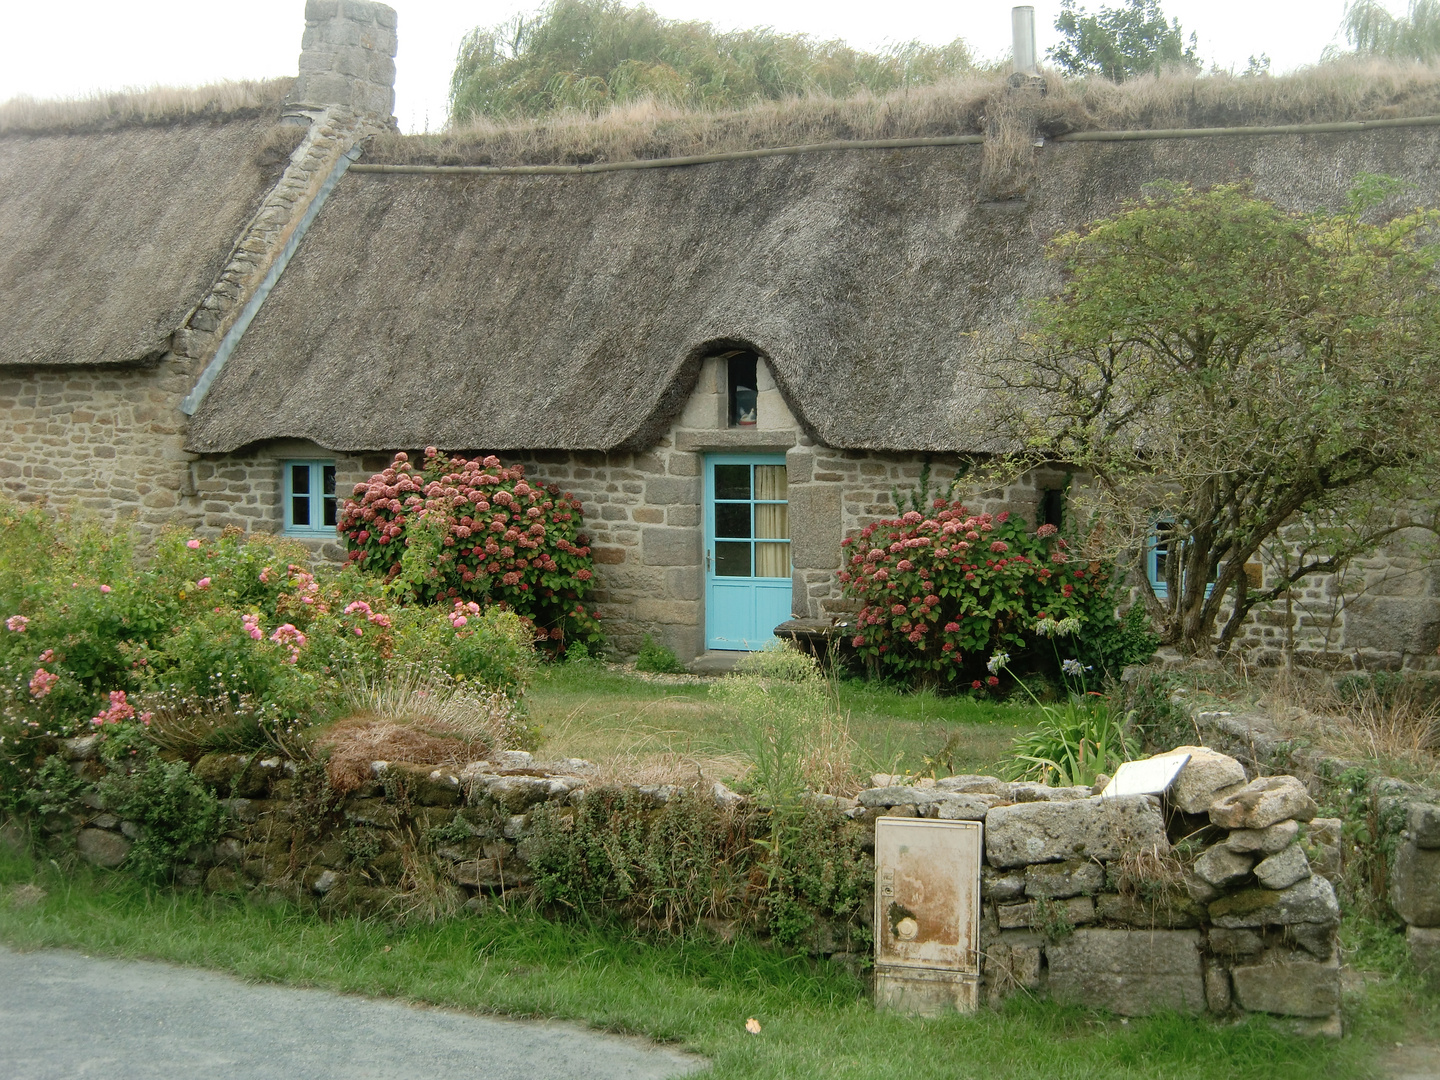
(476, 531)
(942, 591)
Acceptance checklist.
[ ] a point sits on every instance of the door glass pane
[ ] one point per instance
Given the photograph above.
(770, 482)
(732, 519)
(732, 559)
(732, 482)
(772, 560)
(772, 521)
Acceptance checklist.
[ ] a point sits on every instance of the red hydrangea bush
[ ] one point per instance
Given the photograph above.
(477, 531)
(942, 593)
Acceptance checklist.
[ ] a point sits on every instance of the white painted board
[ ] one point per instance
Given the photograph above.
(1153, 776)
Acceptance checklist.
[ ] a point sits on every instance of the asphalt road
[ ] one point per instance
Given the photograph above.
(63, 1015)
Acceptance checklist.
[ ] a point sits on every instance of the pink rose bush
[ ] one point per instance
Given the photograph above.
(941, 592)
(499, 539)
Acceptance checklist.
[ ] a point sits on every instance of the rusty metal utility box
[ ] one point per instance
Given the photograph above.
(927, 915)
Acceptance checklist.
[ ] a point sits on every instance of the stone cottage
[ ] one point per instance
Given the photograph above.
(230, 317)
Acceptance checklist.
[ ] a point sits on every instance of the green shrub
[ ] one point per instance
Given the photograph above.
(657, 658)
(1073, 745)
(943, 592)
(175, 811)
(476, 531)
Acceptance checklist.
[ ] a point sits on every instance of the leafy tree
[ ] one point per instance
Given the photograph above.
(1120, 42)
(590, 54)
(1372, 29)
(1255, 376)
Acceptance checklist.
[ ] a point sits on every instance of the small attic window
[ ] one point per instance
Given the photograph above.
(1052, 507)
(743, 389)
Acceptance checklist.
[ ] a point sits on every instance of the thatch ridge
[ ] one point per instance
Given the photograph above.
(109, 236)
(1350, 89)
(570, 312)
(233, 99)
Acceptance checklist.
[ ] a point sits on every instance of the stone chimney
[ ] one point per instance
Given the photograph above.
(347, 59)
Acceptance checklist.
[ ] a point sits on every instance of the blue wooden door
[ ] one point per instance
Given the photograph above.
(747, 550)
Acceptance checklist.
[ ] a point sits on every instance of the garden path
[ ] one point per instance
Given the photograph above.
(67, 1015)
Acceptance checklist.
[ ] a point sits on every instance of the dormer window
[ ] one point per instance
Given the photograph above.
(743, 389)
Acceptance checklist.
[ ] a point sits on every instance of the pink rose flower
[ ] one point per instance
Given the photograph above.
(105, 588)
(17, 623)
(192, 544)
(203, 583)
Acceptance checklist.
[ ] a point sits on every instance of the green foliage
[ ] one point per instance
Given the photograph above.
(1121, 42)
(1374, 31)
(1073, 745)
(1110, 645)
(477, 534)
(590, 54)
(1159, 722)
(677, 865)
(175, 811)
(779, 871)
(225, 643)
(788, 723)
(1227, 365)
(657, 658)
(53, 789)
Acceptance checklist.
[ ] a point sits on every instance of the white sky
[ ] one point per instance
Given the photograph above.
(74, 48)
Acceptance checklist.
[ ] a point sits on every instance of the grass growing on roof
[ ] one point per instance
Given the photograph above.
(815, 1021)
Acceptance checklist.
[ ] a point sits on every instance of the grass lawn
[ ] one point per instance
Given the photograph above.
(816, 1021)
(605, 715)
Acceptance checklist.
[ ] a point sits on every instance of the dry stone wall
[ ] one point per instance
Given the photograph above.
(1087, 899)
(1217, 898)
(1406, 816)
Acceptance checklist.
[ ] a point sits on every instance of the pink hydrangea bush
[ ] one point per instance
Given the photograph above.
(502, 539)
(941, 592)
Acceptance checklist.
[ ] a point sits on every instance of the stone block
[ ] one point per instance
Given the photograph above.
(1266, 801)
(1057, 881)
(1222, 867)
(1001, 887)
(1169, 911)
(1234, 945)
(1217, 988)
(1288, 987)
(1094, 828)
(1310, 901)
(101, 848)
(1205, 776)
(1013, 962)
(668, 490)
(815, 527)
(661, 546)
(1265, 841)
(957, 807)
(1130, 972)
(1424, 945)
(1415, 884)
(1423, 825)
(1283, 869)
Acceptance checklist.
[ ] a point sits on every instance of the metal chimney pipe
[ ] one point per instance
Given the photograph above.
(1022, 26)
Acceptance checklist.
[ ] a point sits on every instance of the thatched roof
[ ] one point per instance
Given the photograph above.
(110, 232)
(570, 312)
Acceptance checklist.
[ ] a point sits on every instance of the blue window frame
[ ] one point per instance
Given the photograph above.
(310, 507)
(1157, 550)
